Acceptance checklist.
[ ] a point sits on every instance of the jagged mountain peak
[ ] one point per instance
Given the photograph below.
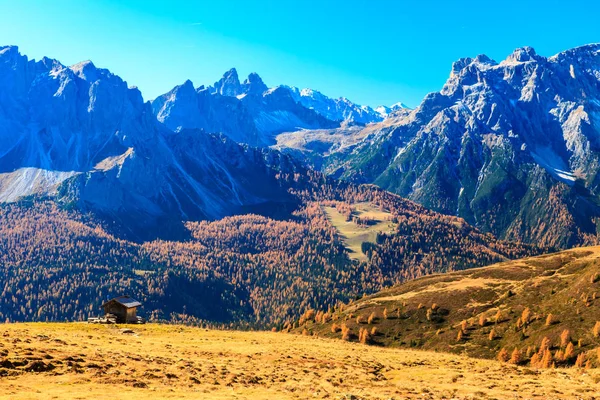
(10, 49)
(229, 84)
(254, 84)
(499, 145)
(523, 54)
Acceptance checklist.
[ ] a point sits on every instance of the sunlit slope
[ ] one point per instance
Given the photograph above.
(480, 311)
(80, 361)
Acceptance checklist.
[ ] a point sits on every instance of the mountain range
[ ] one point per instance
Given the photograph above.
(250, 112)
(512, 147)
(189, 190)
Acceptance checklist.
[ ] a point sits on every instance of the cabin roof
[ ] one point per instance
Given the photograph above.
(126, 301)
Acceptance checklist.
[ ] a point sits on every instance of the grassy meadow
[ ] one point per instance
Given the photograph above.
(81, 361)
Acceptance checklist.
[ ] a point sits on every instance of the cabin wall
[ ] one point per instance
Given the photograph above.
(116, 309)
(132, 315)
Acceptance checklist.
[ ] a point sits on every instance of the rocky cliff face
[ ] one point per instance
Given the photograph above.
(512, 147)
(80, 135)
(246, 112)
(340, 109)
(250, 112)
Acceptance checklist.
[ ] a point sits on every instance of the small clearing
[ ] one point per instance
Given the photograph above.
(353, 234)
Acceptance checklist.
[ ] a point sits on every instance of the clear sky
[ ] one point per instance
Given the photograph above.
(372, 52)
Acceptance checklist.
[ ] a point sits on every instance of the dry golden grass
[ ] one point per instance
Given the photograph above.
(162, 361)
(352, 234)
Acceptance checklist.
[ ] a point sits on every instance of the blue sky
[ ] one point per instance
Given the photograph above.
(373, 52)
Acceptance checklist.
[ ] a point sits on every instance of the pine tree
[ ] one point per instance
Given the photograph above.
(345, 332)
(515, 357)
(569, 351)
(498, 317)
(371, 318)
(565, 338)
(596, 330)
(503, 355)
(547, 359)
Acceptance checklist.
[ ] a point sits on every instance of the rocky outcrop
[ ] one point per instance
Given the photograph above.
(512, 147)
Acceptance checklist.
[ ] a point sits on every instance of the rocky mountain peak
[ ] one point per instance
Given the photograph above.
(254, 84)
(229, 84)
(523, 54)
(85, 70)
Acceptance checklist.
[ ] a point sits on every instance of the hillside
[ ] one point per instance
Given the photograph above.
(80, 361)
(58, 263)
(478, 312)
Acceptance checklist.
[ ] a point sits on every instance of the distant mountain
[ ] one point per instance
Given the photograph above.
(250, 112)
(81, 136)
(385, 111)
(512, 147)
(100, 197)
(340, 109)
(246, 112)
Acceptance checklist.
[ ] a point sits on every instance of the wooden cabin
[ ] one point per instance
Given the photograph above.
(124, 308)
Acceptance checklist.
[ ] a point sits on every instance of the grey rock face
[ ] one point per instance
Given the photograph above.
(512, 147)
(80, 135)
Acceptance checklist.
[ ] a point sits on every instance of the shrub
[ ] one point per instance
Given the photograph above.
(545, 345)
(529, 352)
(547, 359)
(346, 332)
(502, 355)
(363, 336)
(559, 355)
(515, 357)
(565, 338)
(371, 318)
(596, 330)
(498, 317)
(309, 315)
(569, 351)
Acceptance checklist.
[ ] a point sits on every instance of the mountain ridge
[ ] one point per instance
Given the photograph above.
(512, 147)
